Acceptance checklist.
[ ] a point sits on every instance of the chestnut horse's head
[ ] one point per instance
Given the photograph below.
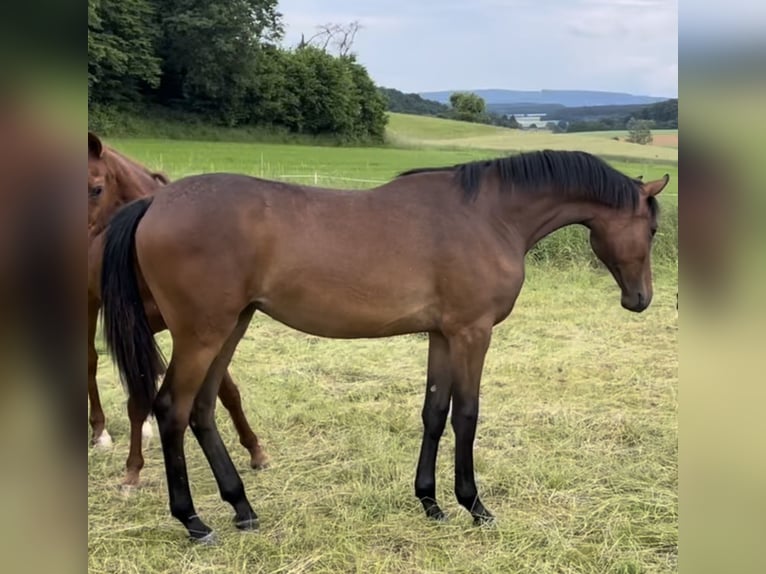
(114, 180)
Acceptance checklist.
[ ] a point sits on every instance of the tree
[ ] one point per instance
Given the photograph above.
(369, 104)
(122, 55)
(468, 106)
(513, 122)
(341, 36)
(412, 103)
(209, 51)
(639, 131)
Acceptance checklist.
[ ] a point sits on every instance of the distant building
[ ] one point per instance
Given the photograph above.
(526, 120)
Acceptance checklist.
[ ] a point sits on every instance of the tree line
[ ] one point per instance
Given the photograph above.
(660, 115)
(221, 61)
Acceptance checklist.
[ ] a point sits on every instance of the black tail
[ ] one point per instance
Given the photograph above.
(129, 337)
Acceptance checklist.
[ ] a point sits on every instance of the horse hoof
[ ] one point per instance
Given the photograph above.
(248, 524)
(259, 460)
(438, 516)
(128, 489)
(209, 539)
(435, 513)
(147, 431)
(484, 520)
(103, 441)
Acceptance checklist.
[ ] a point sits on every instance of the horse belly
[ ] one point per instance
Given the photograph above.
(342, 315)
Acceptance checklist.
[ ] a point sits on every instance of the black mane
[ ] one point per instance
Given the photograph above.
(572, 173)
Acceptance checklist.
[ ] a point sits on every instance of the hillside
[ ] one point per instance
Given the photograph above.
(568, 98)
(428, 132)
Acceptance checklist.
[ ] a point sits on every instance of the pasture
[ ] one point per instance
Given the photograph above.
(663, 138)
(422, 131)
(576, 449)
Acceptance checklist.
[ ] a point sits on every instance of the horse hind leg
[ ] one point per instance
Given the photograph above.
(187, 396)
(135, 461)
(232, 402)
(186, 373)
(205, 430)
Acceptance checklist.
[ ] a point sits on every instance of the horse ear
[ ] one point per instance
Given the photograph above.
(95, 147)
(654, 187)
(160, 177)
(640, 177)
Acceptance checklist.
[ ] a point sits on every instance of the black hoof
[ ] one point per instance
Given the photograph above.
(209, 539)
(432, 509)
(435, 513)
(485, 519)
(247, 524)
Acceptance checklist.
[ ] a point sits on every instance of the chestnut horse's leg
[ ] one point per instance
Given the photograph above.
(232, 401)
(467, 349)
(99, 436)
(435, 408)
(135, 461)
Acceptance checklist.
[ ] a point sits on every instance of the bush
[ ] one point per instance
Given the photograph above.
(639, 131)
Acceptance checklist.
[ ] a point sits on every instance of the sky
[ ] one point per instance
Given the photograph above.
(427, 45)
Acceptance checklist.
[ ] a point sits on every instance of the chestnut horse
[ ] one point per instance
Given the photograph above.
(436, 250)
(114, 180)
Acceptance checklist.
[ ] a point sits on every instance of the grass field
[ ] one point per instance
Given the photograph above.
(334, 166)
(575, 452)
(421, 131)
(358, 167)
(663, 138)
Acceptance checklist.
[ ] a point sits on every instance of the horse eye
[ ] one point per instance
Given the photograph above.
(96, 191)
(653, 231)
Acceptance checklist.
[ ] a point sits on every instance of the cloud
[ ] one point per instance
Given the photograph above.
(624, 19)
(423, 45)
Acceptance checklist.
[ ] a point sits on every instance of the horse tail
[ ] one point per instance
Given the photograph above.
(129, 338)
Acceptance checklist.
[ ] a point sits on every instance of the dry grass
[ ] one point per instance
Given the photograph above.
(575, 453)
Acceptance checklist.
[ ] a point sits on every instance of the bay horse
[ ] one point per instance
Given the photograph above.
(113, 181)
(435, 250)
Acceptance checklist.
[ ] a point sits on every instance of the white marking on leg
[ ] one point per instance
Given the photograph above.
(147, 431)
(433, 388)
(104, 440)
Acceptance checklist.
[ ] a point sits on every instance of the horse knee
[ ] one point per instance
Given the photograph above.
(465, 414)
(434, 420)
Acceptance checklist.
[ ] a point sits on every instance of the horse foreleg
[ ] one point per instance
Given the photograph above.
(99, 436)
(467, 350)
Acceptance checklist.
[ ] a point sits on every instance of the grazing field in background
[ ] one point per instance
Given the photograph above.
(663, 138)
(576, 449)
(357, 167)
(423, 131)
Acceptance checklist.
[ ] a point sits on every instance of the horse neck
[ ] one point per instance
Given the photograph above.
(133, 180)
(536, 214)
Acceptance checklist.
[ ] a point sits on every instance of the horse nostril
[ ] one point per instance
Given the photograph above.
(640, 299)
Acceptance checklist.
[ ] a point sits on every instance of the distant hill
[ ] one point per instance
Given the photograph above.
(400, 102)
(568, 98)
